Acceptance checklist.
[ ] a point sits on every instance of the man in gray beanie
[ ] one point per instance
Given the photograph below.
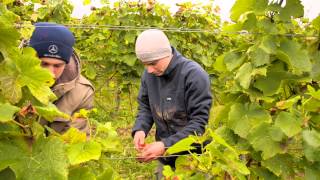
(174, 95)
(54, 46)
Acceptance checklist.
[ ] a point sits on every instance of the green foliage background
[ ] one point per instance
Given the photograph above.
(264, 68)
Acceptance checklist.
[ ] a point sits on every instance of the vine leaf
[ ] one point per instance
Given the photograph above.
(242, 6)
(47, 158)
(25, 70)
(7, 111)
(290, 52)
(244, 117)
(261, 140)
(83, 151)
(288, 123)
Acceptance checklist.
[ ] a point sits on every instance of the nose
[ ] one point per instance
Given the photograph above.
(52, 69)
(150, 69)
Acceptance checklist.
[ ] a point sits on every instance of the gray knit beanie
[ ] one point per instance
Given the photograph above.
(152, 44)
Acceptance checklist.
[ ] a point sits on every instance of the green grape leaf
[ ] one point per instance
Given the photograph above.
(276, 133)
(90, 72)
(311, 153)
(130, 38)
(261, 140)
(83, 152)
(25, 70)
(293, 8)
(109, 141)
(82, 173)
(182, 145)
(51, 112)
(7, 1)
(248, 20)
(266, 26)
(36, 78)
(258, 56)
(129, 59)
(316, 22)
(219, 64)
(242, 6)
(264, 173)
(230, 29)
(313, 92)
(15, 147)
(312, 172)
(108, 174)
(7, 111)
(232, 60)
(46, 159)
(244, 117)
(280, 165)
(243, 75)
(269, 44)
(290, 52)
(312, 138)
(270, 85)
(221, 141)
(311, 104)
(10, 129)
(288, 123)
(7, 174)
(9, 34)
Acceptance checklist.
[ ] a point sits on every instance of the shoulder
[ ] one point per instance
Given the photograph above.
(84, 83)
(193, 69)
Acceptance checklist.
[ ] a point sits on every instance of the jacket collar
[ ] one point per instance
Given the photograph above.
(173, 63)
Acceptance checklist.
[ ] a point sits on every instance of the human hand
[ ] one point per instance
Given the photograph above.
(138, 140)
(151, 152)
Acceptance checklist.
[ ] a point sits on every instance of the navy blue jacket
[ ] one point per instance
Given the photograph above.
(178, 102)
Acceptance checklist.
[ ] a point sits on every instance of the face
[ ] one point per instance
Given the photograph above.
(55, 66)
(157, 67)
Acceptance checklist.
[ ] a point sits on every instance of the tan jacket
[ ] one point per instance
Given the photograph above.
(74, 92)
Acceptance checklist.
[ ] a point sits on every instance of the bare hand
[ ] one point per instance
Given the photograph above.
(151, 152)
(138, 140)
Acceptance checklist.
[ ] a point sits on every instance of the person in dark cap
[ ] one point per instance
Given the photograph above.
(54, 46)
(174, 95)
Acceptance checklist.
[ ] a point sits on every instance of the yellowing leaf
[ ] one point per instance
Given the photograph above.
(288, 103)
(73, 136)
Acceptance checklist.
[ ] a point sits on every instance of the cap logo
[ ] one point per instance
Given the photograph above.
(53, 49)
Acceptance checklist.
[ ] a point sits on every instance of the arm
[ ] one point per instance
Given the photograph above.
(144, 120)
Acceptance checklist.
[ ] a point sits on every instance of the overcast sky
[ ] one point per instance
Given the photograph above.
(311, 7)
